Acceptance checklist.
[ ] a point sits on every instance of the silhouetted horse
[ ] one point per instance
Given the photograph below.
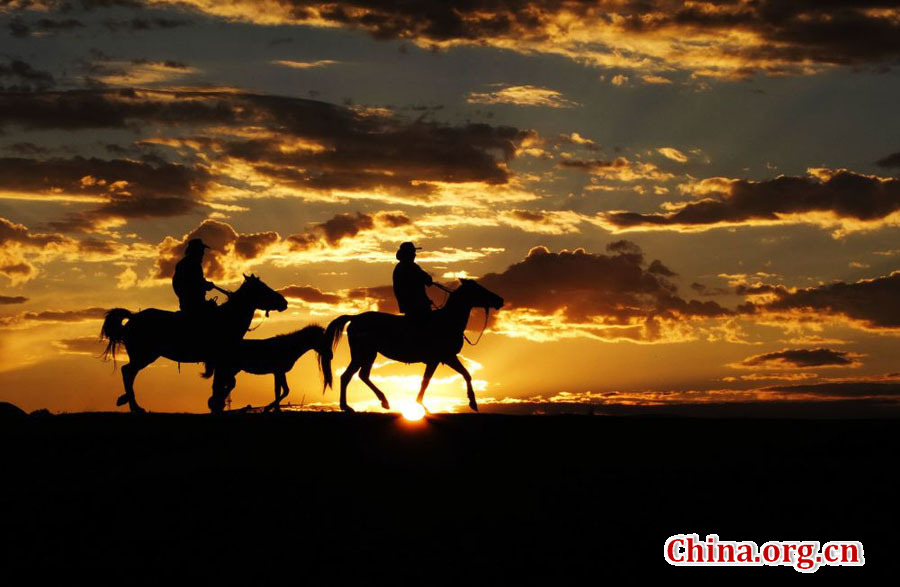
(275, 355)
(151, 334)
(436, 340)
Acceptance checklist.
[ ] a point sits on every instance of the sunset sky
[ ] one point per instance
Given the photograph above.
(682, 203)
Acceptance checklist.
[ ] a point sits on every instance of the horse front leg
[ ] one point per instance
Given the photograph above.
(457, 366)
(426, 379)
(222, 386)
(281, 392)
(364, 375)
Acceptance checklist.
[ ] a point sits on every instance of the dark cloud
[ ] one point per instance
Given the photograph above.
(307, 145)
(802, 359)
(310, 294)
(658, 268)
(27, 149)
(773, 36)
(345, 225)
(842, 389)
(17, 270)
(614, 289)
(892, 160)
(871, 302)
(704, 290)
(131, 189)
(25, 78)
(7, 300)
(734, 38)
(83, 315)
(13, 233)
(19, 28)
(138, 24)
(120, 108)
(837, 31)
(845, 194)
(594, 164)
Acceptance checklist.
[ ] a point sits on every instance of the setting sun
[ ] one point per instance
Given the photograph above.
(413, 412)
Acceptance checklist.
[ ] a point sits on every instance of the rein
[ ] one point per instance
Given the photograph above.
(229, 294)
(487, 312)
(261, 323)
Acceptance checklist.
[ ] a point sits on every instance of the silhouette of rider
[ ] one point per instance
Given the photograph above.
(410, 281)
(188, 282)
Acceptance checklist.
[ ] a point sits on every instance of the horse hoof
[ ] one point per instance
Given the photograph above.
(346, 408)
(385, 404)
(122, 400)
(136, 409)
(216, 406)
(473, 405)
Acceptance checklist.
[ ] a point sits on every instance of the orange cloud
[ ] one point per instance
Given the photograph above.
(709, 39)
(841, 199)
(523, 96)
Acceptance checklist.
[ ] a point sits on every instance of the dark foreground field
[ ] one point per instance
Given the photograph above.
(483, 498)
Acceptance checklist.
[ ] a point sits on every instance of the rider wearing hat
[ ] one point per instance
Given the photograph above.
(410, 281)
(188, 282)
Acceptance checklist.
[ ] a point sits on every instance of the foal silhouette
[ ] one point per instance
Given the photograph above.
(151, 334)
(275, 355)
(432, 340)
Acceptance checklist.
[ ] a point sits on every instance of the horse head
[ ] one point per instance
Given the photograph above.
(478, 296)
(261, 296)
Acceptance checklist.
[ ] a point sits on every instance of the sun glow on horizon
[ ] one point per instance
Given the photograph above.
(412, 412)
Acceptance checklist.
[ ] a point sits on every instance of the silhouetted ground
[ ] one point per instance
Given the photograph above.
(490, 498)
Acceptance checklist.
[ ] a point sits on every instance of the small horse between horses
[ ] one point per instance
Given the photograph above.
(275, 355)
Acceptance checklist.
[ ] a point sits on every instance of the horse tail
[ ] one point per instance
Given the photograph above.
(325, 357)
(335, 330)
(332, 337)
(114, 331)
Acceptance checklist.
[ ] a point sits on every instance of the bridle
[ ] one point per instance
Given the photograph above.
(487, 313)
(231, 293)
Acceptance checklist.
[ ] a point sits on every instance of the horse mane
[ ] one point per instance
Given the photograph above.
(310, 329)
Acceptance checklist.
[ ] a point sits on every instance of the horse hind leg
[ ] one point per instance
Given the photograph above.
(364, 375)
(129, 373)
(222, 385)
(426, 379)
(346, 376)
(285, 390)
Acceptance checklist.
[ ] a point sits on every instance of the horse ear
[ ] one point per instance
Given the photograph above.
(245, 276)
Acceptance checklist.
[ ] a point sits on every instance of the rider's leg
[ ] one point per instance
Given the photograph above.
(364, 372)
(457, 366)
(426, 379)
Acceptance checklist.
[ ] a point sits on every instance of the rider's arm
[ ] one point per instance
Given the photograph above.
(426, 277)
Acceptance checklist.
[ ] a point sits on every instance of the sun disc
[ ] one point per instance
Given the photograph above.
(413, 412)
